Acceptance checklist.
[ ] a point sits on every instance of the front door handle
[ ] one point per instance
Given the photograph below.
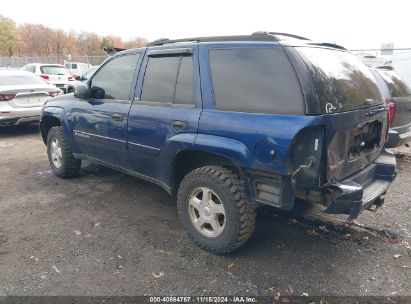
(117, 116)
(179, 125)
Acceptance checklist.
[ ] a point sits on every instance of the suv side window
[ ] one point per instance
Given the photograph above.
(114, 79)
(257, 79)
(185, 82)
(169, 80)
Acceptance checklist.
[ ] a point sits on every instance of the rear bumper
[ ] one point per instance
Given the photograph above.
(364, 189)
(10, 116)
(18, 121)
(396, 139)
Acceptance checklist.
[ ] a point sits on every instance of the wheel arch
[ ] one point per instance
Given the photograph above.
(186, 161)
(51, 117)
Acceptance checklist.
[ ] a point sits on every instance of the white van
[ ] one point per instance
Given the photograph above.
(77, 68)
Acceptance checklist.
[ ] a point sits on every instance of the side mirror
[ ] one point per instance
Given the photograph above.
(98, 93)
(82, 91)
(78, 78)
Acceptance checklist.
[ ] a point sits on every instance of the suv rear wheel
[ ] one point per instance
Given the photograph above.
(212, 208)
(62, 161)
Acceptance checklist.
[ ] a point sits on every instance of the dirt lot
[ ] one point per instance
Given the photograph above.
(106, 233)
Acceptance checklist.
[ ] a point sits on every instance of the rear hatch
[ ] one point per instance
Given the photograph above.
(354, 110)
(401, 94)
(57, 75)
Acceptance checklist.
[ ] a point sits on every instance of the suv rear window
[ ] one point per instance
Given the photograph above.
(53, 70)
(396, 85)
(343, 82)
(255, 80)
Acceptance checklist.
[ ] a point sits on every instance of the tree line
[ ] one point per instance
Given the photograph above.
(39, 40)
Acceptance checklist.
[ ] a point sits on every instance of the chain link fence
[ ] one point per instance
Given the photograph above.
(20, 61)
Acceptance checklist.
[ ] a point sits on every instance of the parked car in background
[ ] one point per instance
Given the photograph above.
(80, 79)
(372, 60)
(268, 118)
(55, 74)
(22, 95)
(397, 95)
(77, 68)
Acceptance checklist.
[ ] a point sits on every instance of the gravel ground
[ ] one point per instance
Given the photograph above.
(106, 233)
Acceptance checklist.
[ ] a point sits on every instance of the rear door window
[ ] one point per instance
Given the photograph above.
(255, 80)
(342, 81)
(185, 82)
(160, 79)
(169, 80)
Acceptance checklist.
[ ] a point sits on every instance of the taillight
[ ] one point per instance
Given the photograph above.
(391, 110)
(45, 76)
(304, 157)
(54, 93)
(7, 96)
(71, 78)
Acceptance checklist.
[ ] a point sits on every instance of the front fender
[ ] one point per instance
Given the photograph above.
(54, 112)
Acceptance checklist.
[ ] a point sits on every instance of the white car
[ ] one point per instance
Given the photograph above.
(53, 73)
(77, 68)
(22, 95)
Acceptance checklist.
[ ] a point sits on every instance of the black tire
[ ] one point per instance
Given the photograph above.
(70, 166)
(239, 216)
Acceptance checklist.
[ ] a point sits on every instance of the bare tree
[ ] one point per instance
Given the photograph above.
(136, 43)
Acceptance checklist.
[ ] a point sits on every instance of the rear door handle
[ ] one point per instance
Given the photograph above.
(179, 125)
(117, 116)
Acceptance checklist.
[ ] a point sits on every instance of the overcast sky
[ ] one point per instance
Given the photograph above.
(354, 24)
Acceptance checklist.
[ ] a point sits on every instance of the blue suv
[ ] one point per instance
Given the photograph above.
(228, 124)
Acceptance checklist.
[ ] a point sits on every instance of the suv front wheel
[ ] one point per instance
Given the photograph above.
(61, 159)
(212, 208)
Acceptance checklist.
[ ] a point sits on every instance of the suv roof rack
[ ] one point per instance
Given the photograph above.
(331, 45)
(256, 36)
(275, 34)
(163, 41)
